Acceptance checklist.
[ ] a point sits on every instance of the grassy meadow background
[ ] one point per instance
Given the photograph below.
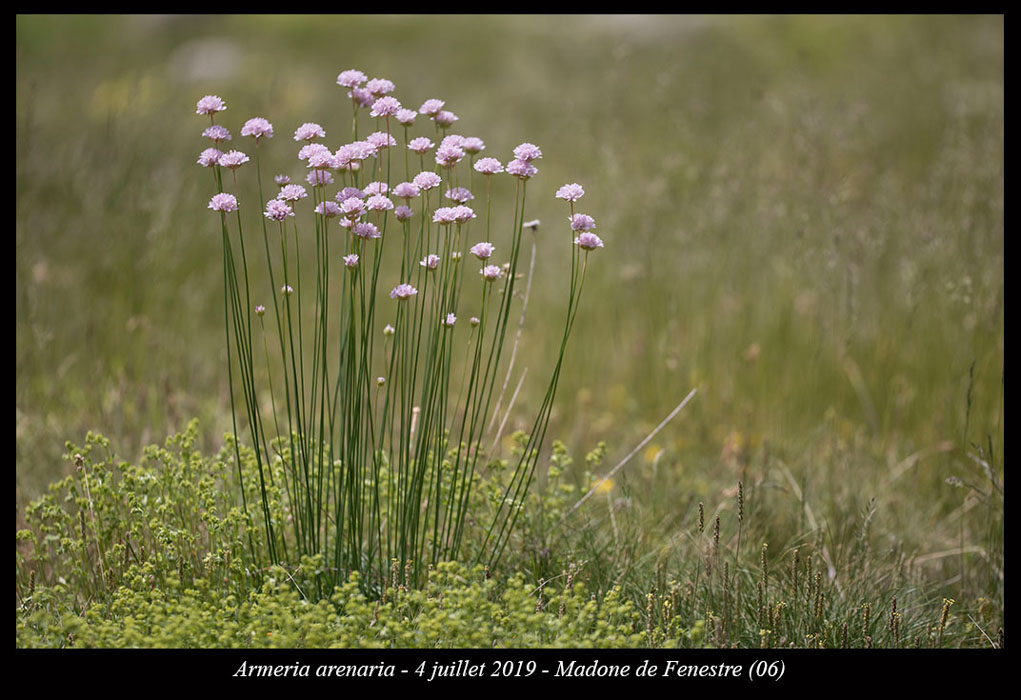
(803, 219)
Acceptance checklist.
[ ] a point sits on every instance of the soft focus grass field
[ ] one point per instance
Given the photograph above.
(803, 218)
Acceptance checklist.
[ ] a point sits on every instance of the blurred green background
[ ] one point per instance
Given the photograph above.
(803, 218)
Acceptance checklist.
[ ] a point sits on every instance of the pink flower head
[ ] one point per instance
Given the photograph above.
(282, 180)
(448, 322)
(460, 195)
(463, 213)
(448, 156)
(403, 213)
(385, 107)
(403, 291)
(431, 107)
(426, 180)
(444, 216)
(328, 209)
(582, 222)
(588, 241)
(491, 272)
(260, 310)
(321, 159)
(482, 250)
(363, 97)
(366, 230)
(209, 157)
(210, 104)
(233, 159)
(319, 178)
(362, 150)
(309, 131)
(420, 145)
(351, 78)
(216, 133)
(310, 149)
(353, 207)
(445, 119)
(278, 210)
(379, 86)
(223, 202)
(527, 152)
(351, 260)
(521, 169)
(292, 193)
(287, 290)
(257, 127)
(473, 145)
(489, 166)
(452, 140)
(378, 202)
(474, 320)
(381, 139)
(430, 262)
(407, 190)
(347, 222)
(570, 193)
(406, 116)
(349, 192)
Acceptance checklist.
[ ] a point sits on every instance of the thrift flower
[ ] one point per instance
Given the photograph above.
(431, 107)
(328, 209)
(378, 202)
(521, 169)
(460, 195)
(473, 145)
(406, 116)
(474, 320)
(527, 152)
(489, 166)
(449, 320)
(233, 159)
(379, 86)
(582, 222)
(351, 78)
(463, 213)
(570, 193)
(311, 149)
(349, 192)
(277, 210)
(420, 145)
(287, 290)
(381, 139)
(209, 157)
(282, 180)
(375, 188)
(210, 104)
(403, 213)
(366, 230)
(445, 119)
(353, 207)
(292, 193)
(588, 241)
(257, 127)
(444, 216)
(351, 260)
(482, 250)
(407, 190)
(388, 330)
(403, 291)
(223, 202)
(490, 273)
(216, 133)
(385, 107)
(363, 97)
(430, 262)
(319, 177)
(449, 155)
(260, 310)
(309, 131)
(426, 180)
